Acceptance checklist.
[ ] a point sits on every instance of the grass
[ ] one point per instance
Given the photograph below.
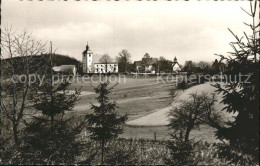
(145, 151)
(139, 97)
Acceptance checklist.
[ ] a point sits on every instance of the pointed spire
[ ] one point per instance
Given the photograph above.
(87, 47)
(175, 59)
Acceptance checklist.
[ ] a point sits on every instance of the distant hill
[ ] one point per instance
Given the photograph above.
(57, 60)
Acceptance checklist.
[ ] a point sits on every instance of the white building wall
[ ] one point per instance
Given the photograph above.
(101, 68)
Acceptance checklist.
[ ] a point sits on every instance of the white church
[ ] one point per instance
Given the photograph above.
(176, 67)
(89, 66)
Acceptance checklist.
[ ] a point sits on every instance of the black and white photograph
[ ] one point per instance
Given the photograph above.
(124, 82)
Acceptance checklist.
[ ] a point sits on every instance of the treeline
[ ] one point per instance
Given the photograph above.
(57, 60)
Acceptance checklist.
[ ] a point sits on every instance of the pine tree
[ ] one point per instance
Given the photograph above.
(104, 124)
(242, 97)
(51, 136)
(52, 99)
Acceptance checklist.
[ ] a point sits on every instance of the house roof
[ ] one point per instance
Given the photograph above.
(105, 64)
(152, 61)
(63, 68)
(175, 63)
(138, 63)
(149, 61)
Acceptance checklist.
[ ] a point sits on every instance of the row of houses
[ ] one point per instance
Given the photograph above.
(151, 65)
(147, 64)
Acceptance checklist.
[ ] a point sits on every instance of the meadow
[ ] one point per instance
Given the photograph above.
(139, 97)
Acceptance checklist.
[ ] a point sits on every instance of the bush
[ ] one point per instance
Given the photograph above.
(181, 153)
(43, 146)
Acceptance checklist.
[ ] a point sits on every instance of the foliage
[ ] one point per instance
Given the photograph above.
(52, 98)
(105, 59)
(197, 110)
(242, 97)
(204, 67)
(182, 85)
(19, 51)
(149, 152)
(58, 59)
(51, 138)
(181, 152)
(120, 152)
(189, 67)
(164, 65)
(44, 146)
(104, 124)
(123, 60)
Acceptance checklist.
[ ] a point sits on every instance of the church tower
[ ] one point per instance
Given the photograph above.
(175, 60)
(87, 59)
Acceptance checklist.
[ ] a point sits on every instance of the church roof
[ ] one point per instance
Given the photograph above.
(87, 51)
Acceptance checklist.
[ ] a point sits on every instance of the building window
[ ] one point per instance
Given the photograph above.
(89, 55)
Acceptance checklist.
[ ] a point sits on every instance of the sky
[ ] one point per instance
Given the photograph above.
(191, 30)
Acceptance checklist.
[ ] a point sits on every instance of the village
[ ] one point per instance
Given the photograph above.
(129, 83)
(148, 65)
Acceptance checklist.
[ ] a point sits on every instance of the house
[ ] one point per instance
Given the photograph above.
(147, 64)
(89, 65)
(68, 69)
(105, 68)
(176, 67)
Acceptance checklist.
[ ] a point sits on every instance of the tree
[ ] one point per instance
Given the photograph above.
(51, 136)
(181, 152)
(104, 124)
(199, 109)
(164, 64)
(105, 59)
(52, 98)
(242, 96)
(145, 60)
(123, 60)
(189, 67)
(182, 85)
(204, 66)
(18, 61)
(59, 145)
(146, 56)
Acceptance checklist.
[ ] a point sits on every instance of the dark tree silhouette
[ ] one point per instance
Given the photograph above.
(197, 110)
(52, 136)
(105, 59)
(104, 124)
(242, 96)
(123, 60)
(19, 51)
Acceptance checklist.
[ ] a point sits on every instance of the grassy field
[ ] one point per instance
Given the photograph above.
(138, 97)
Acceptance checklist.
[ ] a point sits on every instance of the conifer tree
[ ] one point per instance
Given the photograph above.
(241, 95)
(104, 123)
(51, 135)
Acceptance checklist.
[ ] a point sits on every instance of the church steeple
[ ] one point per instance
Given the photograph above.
(175, 59)
(87, 47)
